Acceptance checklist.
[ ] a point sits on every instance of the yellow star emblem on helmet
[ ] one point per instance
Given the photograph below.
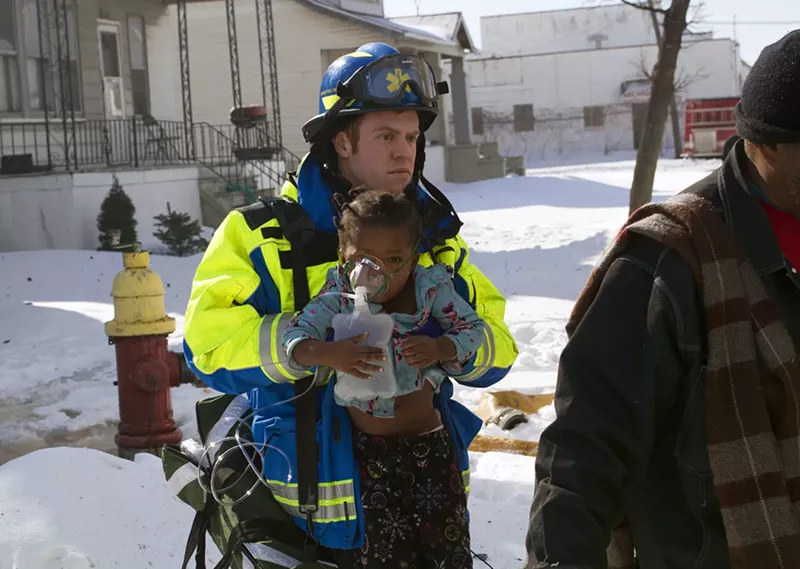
(395, 79)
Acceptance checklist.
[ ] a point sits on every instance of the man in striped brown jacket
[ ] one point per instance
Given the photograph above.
(677, 438)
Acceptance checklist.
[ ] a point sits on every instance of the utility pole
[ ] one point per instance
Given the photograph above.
(418, 3)
(673, 107)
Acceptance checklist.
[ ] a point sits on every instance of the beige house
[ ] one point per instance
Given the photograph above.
(91, 89)
(73, 76)
(107, 52)
(309, 35)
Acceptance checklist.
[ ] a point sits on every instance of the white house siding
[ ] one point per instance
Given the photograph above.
(301, 35)
(560, 85)
(305, 42)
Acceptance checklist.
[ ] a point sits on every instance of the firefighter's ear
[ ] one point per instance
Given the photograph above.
(342, 145)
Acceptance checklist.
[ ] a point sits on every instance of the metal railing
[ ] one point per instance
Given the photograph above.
(95, 144)
(240, 157)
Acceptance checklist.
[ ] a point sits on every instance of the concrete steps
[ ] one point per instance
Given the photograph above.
(475, 162)
(218, 196)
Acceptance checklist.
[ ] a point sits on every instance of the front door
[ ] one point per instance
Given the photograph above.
(111, 69)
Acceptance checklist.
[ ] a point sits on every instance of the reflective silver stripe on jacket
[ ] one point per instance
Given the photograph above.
(336, 500)
(273, 357)
(488, 357)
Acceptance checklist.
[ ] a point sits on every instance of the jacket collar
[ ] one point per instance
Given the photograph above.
(745, 216)
(315, 196)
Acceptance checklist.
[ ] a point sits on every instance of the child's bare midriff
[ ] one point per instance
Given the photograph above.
(414, 414)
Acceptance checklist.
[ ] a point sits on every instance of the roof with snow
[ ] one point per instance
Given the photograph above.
(450, 25)
(441, 29)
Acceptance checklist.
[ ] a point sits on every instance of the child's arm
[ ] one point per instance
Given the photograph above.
(312, 325)
(304, 338)
(462, 325)
(463, 331)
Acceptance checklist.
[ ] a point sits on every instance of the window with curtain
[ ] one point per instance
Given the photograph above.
(69, 55)
(137, 44)
(39, 62)
(29, 69)
(9, 72)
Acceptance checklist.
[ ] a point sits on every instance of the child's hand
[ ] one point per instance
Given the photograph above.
(347, 356)
(422, 351)
(350, 357)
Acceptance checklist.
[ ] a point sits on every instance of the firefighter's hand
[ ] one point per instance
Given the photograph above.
(422, 351)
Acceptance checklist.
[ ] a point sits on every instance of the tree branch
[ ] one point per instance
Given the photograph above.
(698, 16)
(642, 67)
(682, 80)
(644, 7)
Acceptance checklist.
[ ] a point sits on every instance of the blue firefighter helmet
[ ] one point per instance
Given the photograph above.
(375, 77)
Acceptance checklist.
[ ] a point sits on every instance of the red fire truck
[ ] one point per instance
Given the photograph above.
(710, 127)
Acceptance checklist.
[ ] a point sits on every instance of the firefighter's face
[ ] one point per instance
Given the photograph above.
(381, 155)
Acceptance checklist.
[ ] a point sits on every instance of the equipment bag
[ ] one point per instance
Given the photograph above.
(254, 533)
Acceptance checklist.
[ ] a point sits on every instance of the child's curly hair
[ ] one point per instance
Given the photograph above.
(376, 208)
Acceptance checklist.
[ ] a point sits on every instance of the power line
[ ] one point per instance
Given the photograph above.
(750, 23)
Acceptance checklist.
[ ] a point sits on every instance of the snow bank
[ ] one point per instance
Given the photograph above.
(68, 508)
(65, 508)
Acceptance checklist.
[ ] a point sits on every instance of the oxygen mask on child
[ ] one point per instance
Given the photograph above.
(367, 277)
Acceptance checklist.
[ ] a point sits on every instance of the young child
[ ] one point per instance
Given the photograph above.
(412, 495)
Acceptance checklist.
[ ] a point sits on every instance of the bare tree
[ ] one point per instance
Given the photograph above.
(681, 82)
(673, 107)
(661, 96)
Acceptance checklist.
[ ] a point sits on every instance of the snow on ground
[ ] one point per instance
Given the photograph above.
(80, 508)
(536, 237)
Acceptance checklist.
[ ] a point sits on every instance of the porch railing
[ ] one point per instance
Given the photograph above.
(91, 145)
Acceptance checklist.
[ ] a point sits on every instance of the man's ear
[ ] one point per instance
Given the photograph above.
(342, 145)
(769, 152)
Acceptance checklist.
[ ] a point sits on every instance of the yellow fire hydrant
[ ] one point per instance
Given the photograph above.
(146, 369)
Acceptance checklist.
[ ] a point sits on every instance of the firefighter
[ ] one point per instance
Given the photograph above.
(266, 260)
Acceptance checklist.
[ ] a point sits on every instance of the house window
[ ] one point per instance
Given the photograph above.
(29, 57)
(477, 120)
(594, 117)
(523, 118)
(9, 72)
(138, 47)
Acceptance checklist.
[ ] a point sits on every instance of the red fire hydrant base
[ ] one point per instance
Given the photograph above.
(145, 399)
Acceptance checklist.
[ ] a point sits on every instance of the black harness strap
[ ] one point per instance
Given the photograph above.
(197, 535)
(253, 531)
(299, 230)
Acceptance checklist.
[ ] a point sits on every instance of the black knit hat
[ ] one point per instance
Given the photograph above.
(769, 110)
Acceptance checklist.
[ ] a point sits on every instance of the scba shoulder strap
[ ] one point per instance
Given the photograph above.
(297, 227)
